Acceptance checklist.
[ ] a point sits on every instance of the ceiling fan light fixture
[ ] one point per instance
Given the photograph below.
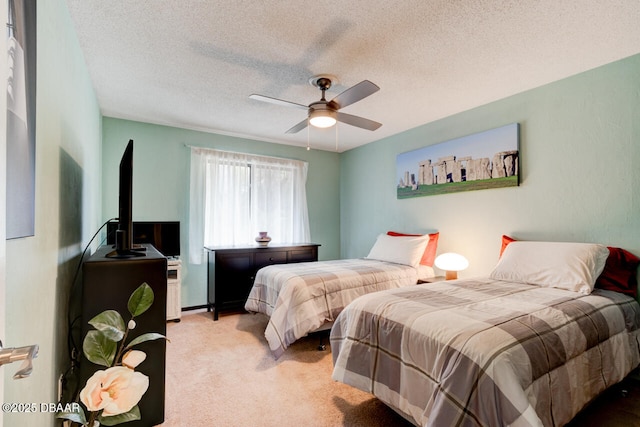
(323, 113)
(322, 118)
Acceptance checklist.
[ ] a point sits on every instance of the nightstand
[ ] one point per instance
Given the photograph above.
(431, 279)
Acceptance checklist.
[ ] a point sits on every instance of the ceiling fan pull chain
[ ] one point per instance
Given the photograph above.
(308, 144)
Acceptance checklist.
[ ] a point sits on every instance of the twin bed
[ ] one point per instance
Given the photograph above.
(306, 297)
(486, 352)
(530, 345)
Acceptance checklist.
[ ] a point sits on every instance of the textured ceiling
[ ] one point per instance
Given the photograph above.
(193, 64)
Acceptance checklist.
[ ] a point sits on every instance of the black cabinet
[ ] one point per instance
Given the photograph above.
(231, 270)
(107, 285)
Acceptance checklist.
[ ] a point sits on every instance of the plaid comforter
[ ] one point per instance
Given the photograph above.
(300, 298)
(485, 352)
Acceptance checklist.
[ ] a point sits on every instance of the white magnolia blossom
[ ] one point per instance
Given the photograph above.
(114, 391)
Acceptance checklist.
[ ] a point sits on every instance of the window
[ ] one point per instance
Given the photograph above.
(234, 196)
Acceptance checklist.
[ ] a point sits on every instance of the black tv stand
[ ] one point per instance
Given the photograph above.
(107, 285)
(135, 251)
(131, 253)
(124, 246)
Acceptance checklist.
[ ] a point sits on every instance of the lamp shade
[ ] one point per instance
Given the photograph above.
(322, 118)
(451, 263)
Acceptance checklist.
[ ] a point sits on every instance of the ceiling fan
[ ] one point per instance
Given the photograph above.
(325, 113)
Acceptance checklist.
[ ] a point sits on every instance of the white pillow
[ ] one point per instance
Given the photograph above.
(405, 250)
(571, 266)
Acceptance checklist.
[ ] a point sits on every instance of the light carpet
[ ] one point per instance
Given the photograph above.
(223, 374)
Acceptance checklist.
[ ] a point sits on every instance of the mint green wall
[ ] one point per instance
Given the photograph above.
(68, 211)
(578, 170)
(580, 148)
(161, 184)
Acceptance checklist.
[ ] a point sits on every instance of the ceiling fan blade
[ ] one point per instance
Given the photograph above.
(297, 128)
(354, 94)
(277, 101)
(360, 122)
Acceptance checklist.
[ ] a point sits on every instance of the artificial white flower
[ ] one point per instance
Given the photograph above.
(115, 390)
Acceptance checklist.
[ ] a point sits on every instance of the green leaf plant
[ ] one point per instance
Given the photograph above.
(111, 395)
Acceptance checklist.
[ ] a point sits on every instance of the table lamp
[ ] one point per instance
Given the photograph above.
(451, 263)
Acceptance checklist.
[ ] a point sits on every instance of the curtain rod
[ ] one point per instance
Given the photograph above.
(240, 152)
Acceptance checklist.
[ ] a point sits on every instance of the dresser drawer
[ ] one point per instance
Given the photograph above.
(262, 259)
(303, 254)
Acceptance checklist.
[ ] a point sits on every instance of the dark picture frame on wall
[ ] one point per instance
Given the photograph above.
(21, 118)
(488, 159)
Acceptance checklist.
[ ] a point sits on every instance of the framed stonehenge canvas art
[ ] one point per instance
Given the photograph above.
(488, 159)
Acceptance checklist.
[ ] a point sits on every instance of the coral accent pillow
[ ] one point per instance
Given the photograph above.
(619, 272)
(429, 255)
(505, 242)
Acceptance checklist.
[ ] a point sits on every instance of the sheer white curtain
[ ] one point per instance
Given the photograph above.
(234, 196)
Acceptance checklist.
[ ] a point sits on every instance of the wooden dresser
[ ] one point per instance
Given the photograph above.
(231, 270)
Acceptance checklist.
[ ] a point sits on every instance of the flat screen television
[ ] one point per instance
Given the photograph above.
(163, 235)
(124, 234)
